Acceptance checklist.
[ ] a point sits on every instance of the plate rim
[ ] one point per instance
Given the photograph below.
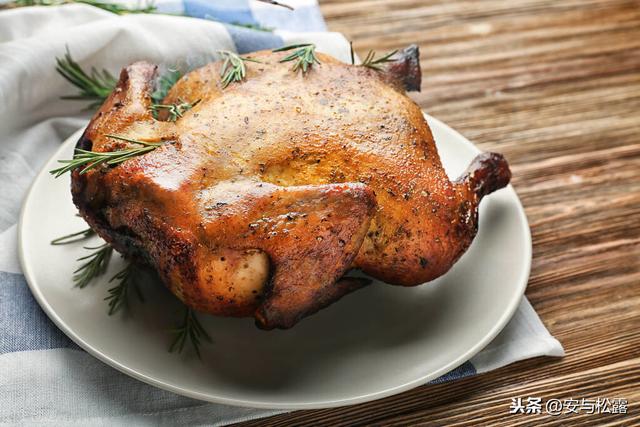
(263, 404)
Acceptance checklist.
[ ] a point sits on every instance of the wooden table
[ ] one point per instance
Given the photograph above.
(555, 86)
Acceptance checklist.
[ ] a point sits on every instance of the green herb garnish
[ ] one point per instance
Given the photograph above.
(371, 62)
(190, 329)
(353, 55)
(110, 7)
(233, 68)
(304, 56)
(164, 84)
(256, 27)
(275, 3)
(119, 295)
(95, 265)
(175, 111)
(95, 86)
(73, 237)
(88, 160)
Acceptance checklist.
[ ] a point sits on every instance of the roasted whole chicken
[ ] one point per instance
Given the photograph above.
(264, 195)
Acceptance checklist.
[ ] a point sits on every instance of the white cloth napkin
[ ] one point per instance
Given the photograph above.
(44, 379)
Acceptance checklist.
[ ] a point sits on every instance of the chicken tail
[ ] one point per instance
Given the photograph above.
(487, 173)
(405, 69)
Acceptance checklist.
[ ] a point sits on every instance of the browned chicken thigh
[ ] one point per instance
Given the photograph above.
(268, 191)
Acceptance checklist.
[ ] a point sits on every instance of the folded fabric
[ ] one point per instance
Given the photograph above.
(44, 377)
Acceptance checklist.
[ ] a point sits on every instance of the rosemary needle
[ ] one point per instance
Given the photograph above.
(233, 68)
(191, 329)
(119, 294)
(376, 63)
(73, 237)
(304, 56)
(275, 3)
(353, 55)
(88, 160)
(95, 265)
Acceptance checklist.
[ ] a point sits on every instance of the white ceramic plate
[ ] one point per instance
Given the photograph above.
(379, 341)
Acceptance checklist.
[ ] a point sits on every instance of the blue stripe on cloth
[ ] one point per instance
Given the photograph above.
(304, 18)
(23, 324)
(231, 11)
(463, 371)
(247, 40)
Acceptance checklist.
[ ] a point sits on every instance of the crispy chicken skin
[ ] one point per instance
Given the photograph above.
(269, 191)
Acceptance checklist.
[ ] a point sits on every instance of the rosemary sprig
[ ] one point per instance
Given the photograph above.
(304, 56)
(88, 160)
(233, 68)
(175, 111)
(73, 237)
(256, 27)
(95, 265)
(353, 55)
(110, 7)
(164, 83)
(119, 295)
(95, 86)
(191, 330)
(275, 3)
(376, 63)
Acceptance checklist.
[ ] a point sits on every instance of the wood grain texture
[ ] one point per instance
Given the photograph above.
(555, 86)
